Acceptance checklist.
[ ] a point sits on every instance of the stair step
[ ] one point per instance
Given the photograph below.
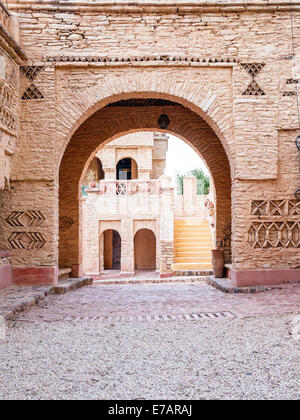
(192, 245)
(205, 260)
(191, 266)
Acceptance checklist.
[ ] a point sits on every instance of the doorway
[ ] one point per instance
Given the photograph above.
(112, 250)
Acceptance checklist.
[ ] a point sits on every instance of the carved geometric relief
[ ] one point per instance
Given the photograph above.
(65, 222)
(22, 238)
(293, 207)
(275, 208)
(26, 240)
(7, 106)
(25, 218)
(274, 234)
(289, 93)
(253, 68)
(253, 88)
(32, 92)
(31, 71)
(259, 208)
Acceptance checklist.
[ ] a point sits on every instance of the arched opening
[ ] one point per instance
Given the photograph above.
(111, 250)
(144, 250)
(133, 115)
(126, 169)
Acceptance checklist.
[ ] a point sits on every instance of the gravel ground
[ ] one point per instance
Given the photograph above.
(252, 358)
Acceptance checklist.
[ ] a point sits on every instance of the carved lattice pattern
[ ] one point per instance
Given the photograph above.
(254, 89)
(32, 92)
(7, 106)
(253, 69)
(275, 208)
(31, 71)
(274, 234)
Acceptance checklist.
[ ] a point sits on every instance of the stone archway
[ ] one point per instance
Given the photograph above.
(131, 115)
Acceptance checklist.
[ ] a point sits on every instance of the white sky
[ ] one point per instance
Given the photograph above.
(181, 158)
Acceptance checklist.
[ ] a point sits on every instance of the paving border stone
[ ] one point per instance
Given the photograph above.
(19, 298)
(224, 285)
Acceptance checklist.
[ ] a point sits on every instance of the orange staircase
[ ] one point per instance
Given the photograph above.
(192, 244)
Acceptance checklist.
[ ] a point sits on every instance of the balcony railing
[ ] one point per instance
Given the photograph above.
(125, 187)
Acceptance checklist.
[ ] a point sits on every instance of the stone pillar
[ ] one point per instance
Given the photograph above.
(30, 231)
(166, 227)
(127, 246)
(90, 237)
(189, 195)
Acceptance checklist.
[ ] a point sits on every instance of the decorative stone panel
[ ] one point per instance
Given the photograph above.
(21, 236)
(32, 92)
(253, 69)
(275, 208)
(274, 234)
(282, 231)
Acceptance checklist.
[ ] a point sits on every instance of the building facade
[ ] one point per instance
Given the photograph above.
(77, 75)
(129, 210)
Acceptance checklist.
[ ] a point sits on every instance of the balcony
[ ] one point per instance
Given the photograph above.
(126, 187)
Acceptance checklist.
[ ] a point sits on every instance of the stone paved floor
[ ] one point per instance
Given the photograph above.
(162, 299)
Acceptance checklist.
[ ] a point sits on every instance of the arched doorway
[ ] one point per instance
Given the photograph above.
(111, 250)
(133, 115)
(145, 250)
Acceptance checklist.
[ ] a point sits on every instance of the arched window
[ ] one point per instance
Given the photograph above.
(126, 169)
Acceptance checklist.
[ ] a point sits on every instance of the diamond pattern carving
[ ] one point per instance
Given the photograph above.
(253, 69)
(32, 92)
(31, 71)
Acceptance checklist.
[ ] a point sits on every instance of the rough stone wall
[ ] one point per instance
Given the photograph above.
(266, 233)
(9, 82)
(249, 103)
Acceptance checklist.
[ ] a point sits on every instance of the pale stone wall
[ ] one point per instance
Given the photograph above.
(127, 214)
(208, 58)
(148, 150)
